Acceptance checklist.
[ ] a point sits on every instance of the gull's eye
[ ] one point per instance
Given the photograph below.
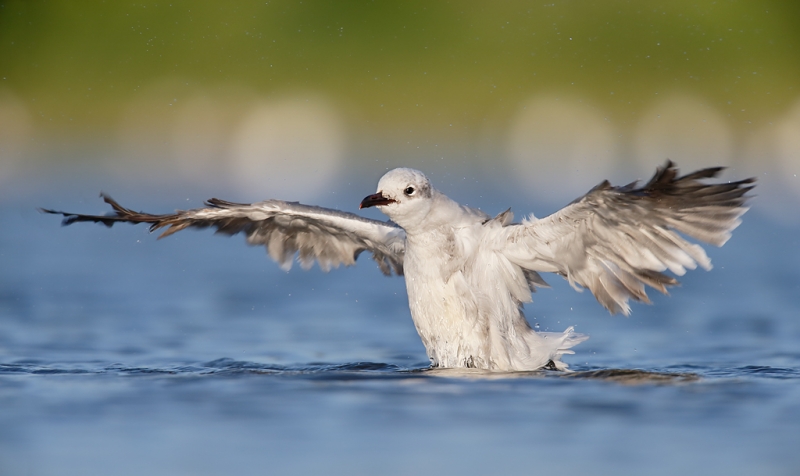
(409, 191)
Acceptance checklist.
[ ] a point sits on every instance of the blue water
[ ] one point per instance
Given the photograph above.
(121, 354)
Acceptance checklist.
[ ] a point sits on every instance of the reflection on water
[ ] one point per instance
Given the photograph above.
(196, 355)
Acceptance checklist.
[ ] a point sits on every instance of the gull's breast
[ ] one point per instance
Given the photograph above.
(445, 311)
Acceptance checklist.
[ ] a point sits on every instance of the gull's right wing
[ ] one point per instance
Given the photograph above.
(330, 237)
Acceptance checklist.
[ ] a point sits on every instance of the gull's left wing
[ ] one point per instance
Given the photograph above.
(330, 237)
(616, 240)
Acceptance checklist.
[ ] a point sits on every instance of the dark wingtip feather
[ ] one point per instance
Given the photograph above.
(219, 203)
(51, 212)
(119, 214)
(70, 219)
(667, 184)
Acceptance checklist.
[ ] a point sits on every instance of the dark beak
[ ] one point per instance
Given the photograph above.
(375, 200)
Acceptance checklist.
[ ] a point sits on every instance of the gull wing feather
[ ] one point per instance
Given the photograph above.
(329, 237)
(616, 240)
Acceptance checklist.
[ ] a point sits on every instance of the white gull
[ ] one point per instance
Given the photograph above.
(468, 274)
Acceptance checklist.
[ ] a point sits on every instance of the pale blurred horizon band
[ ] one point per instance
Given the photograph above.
(272, 96)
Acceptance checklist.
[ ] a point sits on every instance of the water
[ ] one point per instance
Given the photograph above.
(120, 354)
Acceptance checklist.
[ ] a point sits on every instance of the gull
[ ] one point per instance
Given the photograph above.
(468, 274)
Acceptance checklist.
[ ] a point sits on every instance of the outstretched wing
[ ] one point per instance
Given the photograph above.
(327, 236)
(616, 240)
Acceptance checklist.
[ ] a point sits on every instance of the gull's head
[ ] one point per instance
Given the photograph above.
(404, 195)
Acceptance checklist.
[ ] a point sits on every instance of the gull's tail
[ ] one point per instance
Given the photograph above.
(560, 344)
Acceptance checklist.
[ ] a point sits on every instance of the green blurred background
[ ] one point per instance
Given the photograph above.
(255, 93)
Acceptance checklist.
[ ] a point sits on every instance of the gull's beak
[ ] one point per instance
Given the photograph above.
(375, 200)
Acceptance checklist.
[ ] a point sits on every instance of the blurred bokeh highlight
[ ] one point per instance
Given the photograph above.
(284, 99)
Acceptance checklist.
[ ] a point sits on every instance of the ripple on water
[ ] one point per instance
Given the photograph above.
(378, 370)
(680, 374)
